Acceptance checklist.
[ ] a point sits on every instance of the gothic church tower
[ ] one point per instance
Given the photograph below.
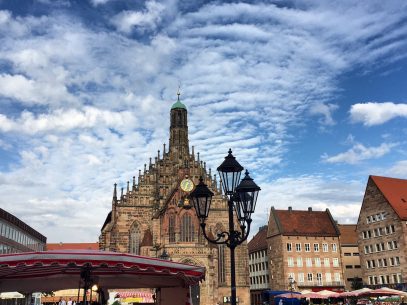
(154, 215)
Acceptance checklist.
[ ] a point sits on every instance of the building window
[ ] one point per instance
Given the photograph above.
(325, 247)
(347, 254)
(319, 279)
(328, 278)
(317, 262)
(301, 277)
(337, 277)
(326, 262)
(316, 247)
(290, 262)
(171, 228)
(334, 248)
(134, 244)
(187, 228)
(309, 277)
(308, 262)
(298, 247)
(307, 247)
(335, 262)
(289, 247)
(299, 261)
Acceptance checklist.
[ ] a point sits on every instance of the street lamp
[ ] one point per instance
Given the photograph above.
(291, 283)
(242, 198)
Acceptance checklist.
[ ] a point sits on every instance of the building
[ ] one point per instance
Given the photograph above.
(304, 246)
(352, 271)
(16, 236)
(73, 246)
(153, 216)
(258, 266)
(382, 231)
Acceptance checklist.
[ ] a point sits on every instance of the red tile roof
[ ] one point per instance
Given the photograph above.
(395, 191)
(258, 241)
(73, 246)
(306, 223)
(349, 236)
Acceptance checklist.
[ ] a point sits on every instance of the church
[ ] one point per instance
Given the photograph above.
(154, 217)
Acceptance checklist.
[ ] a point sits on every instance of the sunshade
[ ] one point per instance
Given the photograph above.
(329, 294)
(355, 293)
(314, 295)
(384, 291)
(290, 295)
(55, 270)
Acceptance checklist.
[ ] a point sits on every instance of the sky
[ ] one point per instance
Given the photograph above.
(310, 95)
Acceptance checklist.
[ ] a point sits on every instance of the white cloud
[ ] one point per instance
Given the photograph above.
(62, 120)
(147, 19)
(326, 111)
(399, 169)
(99, 2)
(30, 91)
(374, 113)
(359, 153)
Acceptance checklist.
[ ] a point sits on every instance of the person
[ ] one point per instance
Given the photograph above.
(70, 301)
(63, 302)
(280, 302)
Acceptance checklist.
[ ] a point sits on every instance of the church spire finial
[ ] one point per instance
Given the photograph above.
(179, 91)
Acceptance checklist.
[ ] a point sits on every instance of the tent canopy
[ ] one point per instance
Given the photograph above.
(55, 270)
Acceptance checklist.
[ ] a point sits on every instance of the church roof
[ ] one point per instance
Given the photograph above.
(178, 105)
(306, 223)
(258, 242)
(349, 236)
(395, 191)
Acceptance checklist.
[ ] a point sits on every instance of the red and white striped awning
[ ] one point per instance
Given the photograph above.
(56, 270)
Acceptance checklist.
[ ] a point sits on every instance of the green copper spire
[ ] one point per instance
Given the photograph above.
(178, 104)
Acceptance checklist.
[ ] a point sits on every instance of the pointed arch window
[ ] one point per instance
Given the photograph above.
(171, 229)
(135, 239)
(187, 228)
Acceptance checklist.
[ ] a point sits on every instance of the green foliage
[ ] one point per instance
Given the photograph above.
(117, 302)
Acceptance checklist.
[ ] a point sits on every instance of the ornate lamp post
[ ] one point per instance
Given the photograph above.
(242, 198)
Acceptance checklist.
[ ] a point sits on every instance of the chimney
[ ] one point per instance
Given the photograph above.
(310, 209)
(290, 209)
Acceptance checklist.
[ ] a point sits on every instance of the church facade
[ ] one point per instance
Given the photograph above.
(154, 216)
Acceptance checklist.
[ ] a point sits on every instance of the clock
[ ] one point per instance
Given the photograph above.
(187, 185)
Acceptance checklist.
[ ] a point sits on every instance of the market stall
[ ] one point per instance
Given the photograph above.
(56, 270)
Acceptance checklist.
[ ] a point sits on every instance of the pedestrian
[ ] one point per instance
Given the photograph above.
(70, 301)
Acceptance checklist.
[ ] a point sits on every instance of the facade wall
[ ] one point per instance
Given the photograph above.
(351, 264)
(313, 262)
(382, 240)
(16, 236)
(156, 208)
(259, 275)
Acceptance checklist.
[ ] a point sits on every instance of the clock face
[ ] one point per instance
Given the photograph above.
(187, 185)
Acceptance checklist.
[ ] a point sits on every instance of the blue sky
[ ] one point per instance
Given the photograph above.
(310, 95)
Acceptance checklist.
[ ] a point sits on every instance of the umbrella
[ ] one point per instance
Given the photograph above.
(290, 295)
(355, 293)
(314, 295)
(384, 291)
(329, 294)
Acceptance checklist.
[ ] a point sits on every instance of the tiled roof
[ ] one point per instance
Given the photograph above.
(349, 236)
(73, 246)
(395, 191)
(306, 223)
(258, 241)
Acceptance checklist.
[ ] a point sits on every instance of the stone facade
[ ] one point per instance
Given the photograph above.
(350, 255)
(304, 246)
(155, 214)
(382, 232)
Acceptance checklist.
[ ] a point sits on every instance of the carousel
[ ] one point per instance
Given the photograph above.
(57, 270)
